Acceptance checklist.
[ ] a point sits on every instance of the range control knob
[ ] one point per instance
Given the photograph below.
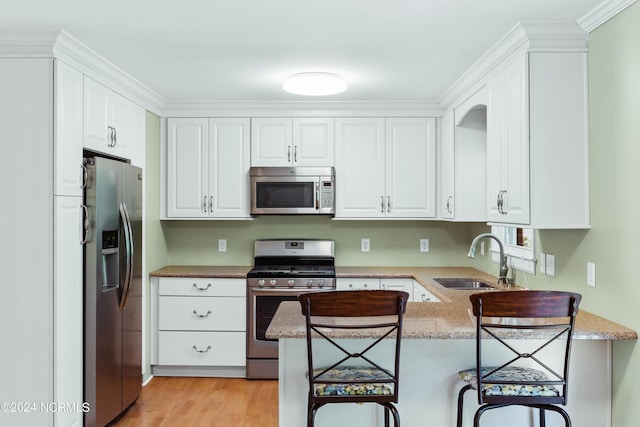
(321, 283)
(272, 282)
(309, 283)
(291, 282)
(261, 282)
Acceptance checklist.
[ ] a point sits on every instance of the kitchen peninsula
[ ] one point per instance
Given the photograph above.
(438, 341)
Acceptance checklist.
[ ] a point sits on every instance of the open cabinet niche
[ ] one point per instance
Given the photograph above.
(464, 161)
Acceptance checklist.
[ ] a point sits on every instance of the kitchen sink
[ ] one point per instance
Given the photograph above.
(463, 283)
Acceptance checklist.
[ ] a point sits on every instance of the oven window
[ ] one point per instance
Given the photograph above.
(285, 194)
(266, 307)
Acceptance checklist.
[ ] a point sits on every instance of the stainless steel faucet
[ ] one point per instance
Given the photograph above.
(504, 267)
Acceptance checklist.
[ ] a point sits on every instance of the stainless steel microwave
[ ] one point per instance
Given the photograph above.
(292, 191)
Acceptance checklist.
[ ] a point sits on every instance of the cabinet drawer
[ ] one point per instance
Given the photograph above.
(201, 348)
(202, 313)
(350, 284)
(199, 286)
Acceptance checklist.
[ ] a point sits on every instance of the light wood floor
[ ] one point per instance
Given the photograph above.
(204, 402)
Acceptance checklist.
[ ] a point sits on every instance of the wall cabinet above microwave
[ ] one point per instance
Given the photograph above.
(291, 142)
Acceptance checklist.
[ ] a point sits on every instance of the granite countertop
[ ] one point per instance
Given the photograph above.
(235, 272)
(449, 319)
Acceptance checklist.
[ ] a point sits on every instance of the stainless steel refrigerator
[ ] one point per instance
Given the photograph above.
(112, 288)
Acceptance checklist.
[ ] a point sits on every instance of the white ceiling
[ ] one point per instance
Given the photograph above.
(242, 50)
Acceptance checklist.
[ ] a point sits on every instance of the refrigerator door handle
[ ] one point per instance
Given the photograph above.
(128, 271)
(84, 224)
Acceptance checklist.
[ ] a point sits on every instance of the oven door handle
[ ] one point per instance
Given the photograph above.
(285, 291)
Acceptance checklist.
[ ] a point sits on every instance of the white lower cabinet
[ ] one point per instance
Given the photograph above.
(405, 285)
(199, 324)
(185, 348)
(421, 294)
(357, 284)
(416, 291)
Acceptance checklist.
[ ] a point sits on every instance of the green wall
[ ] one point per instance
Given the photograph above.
(155, 246)
(392, 242)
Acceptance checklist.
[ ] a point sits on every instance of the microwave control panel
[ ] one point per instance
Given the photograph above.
(326, 194)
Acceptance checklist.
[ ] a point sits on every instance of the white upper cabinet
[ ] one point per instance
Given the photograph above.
(385, 168)
(292, 142)
(447, 167)
(207, 173)
(537, 141)
(508, 144)
(411, 168)
(111, 122)
(360, 168)
(463, 161)
(68, 113)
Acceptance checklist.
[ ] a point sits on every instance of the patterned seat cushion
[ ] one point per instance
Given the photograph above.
(354, 387)
(512, 373)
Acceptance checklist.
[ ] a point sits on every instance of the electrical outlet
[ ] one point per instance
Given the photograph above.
(551, 265)
(424, 245)
(365, 245)
(222, 245)
(591, 274)
(542, 262)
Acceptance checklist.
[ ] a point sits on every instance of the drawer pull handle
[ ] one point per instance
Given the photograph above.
(201, 351)
(195, 313)
(201, 289)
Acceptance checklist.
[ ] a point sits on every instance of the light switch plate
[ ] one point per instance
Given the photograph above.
(222, 245)
(542, 262)
(365, 245)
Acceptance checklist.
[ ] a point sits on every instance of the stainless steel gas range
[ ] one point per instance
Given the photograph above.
(283, 270)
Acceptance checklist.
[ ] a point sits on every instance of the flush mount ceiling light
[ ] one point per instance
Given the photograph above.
(314, 84)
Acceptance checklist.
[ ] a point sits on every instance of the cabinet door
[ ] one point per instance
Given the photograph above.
(313, 142)
(447, 167)
(420, 294)
(405, 285)
(97, 134)
(68, 113)
(410, 168)
(356, 284)
(229, 162)
(121, 114)
(360, 168)
(107, 127)
(67, 311)
(508, 144)
(271, 142)
(187, 168)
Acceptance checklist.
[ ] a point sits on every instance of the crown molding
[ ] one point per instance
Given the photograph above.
(58, 44)
(602, 13)
(523, 37)
(97, 67)
(27, 44)
(302, 109)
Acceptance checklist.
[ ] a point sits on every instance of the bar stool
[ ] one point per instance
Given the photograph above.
(354, 376)
(527, 376)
